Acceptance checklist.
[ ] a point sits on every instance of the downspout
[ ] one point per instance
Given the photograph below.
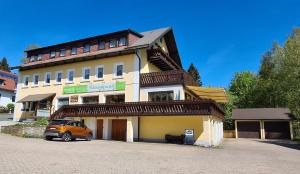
(139, 93)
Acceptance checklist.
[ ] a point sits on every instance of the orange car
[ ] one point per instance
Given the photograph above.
(67, 130)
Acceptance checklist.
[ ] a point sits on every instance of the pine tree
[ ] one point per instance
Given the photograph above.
(193, 71)
(4, 65)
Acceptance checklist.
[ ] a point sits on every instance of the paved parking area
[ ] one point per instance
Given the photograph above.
(22, 155)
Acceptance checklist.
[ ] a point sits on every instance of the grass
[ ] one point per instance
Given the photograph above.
(297, 139)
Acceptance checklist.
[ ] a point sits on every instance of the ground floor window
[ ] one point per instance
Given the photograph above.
(90, 100)
(161, 96)
(62, 101)
(115, 98)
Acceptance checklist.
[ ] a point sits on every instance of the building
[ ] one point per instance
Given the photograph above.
(8, 83)
(263, 123)
(124, 85)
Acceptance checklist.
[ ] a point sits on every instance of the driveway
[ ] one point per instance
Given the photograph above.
(6, 117)
(22, 155)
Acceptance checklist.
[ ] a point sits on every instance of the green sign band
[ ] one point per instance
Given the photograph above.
(97, 87)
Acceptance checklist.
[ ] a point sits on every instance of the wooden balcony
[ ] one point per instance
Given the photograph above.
(171, 108)
(162, 60)
(176, 77)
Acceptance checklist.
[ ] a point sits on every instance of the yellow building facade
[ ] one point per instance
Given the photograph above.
(124, 86)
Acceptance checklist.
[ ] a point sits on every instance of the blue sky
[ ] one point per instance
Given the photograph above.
(219, 37)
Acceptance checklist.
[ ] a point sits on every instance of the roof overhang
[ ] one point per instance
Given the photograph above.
(216, 94)
(36, 97)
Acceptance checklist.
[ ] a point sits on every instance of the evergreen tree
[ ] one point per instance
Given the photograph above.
(193, 71)
(4, 65)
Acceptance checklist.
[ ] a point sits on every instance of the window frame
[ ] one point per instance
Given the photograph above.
(39, 56)
(99, 43)
(160, 93)
(83, 74)
(116, 70)
(116, 45)
(23, 79)
(96, 72)
(56, 75)
(75, 48)
(68, 75)
(63, 50)
(45, 79)
(33, 80)
(125, 41)
(84, 46)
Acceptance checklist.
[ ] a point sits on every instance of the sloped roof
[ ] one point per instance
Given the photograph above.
(216, 94)
(262, 114)
(8, 84)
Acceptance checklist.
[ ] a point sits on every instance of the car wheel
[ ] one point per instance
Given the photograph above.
(48, 138)
(66, 137)
(89, 137)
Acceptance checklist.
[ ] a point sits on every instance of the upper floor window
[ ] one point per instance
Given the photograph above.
(73, 50)
(101, 45)
(99, 70)
(52, 54)
(58, 77)
(39, 57)
(119, 68)
(31, 58)
(86, 48)
(47, 78)
(13, 98)
(86, 72)
(62, 52)
(161, 96)
(35, 79)
(26, 81)
(112, 43)
(70, 75)
(122, 41)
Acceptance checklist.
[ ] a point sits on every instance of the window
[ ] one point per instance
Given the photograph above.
(58, 77)
(73, 50)
(13, 98)
(115, 98)
(25, 81)
(161, 96)
(31, 58)
(52, 54)
(1, 82)
(101, 45)
(112, 43)
(39, 57)
(122, 41)
(119, 68)
(47, 78)
(35, 80)
(62, 101)
(90, 100)
(70, 77)
(99, 72)
(62, 52)
(0, 95)
(86, 72)
(86, 48)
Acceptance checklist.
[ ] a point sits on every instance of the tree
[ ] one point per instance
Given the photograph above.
(193, 71)
(4, 65)
(242, 87)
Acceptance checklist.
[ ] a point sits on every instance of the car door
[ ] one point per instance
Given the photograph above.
(81, 129)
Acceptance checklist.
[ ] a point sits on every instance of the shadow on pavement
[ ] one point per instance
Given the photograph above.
(284, 143)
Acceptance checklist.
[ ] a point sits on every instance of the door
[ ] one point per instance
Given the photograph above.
(277, 130)
(248, 129)
(99, 129)
(119, 128)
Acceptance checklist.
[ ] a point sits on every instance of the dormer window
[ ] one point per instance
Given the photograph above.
(52, 54)
(62, 52)
(101, 45)
(1, 82)
(73, 50)
(86, 48)
(31, 58)
(112, 43)
(122, 41)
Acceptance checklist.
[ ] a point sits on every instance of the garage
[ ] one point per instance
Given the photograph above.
(248, 129)
(119, 128)
(263, 123)
(277, 130)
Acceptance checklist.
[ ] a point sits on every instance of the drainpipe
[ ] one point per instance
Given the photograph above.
(139, 93)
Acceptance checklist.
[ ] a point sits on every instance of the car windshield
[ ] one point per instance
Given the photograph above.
(58, 122)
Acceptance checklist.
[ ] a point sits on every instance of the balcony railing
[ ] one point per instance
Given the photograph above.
(175, 77)
(162, 60)
(183, 107)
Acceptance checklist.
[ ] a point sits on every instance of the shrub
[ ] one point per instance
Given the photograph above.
(41, 122)
(10, 106)
(3, 109)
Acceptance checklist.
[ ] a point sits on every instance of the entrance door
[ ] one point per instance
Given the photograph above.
(99, 129)
(119, 128)
(248, 129)
(277, 130)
